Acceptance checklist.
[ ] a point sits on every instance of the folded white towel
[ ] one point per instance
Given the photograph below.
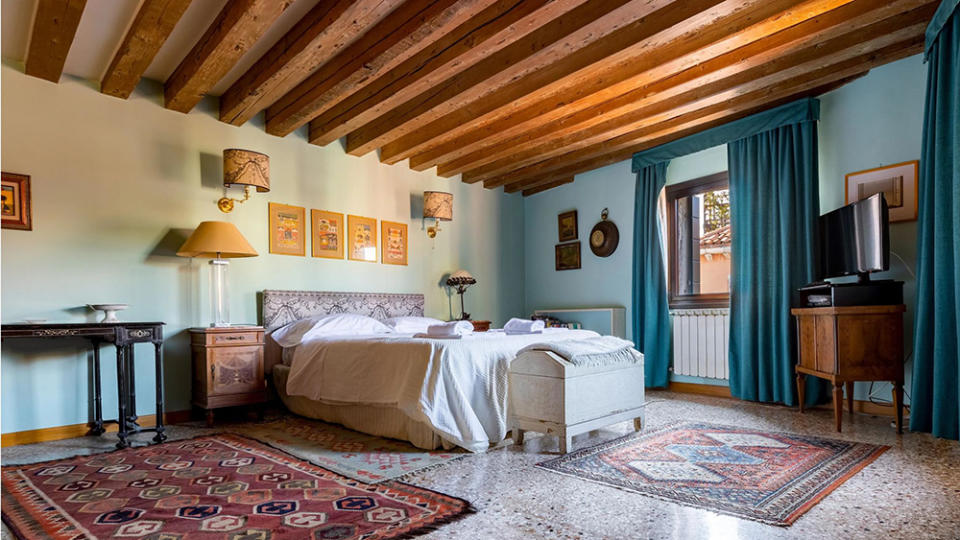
(450, 329)
(523, 326)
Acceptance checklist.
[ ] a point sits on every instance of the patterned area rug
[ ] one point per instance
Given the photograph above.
(356, 455)
(224, 487)
(769, 477)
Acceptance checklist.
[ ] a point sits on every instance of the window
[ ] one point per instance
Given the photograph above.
(698, 242)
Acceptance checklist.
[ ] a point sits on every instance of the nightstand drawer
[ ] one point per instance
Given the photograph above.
(235, 370)
(245, 337)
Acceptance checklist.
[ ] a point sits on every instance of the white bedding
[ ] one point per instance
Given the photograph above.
(458, 386)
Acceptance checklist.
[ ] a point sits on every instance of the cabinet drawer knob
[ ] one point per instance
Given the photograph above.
(233, 338)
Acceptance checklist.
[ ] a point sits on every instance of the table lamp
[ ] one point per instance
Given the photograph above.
(217, 240)
(461, 279)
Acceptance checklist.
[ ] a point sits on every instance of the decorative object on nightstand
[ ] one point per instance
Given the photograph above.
(461, 279)
(480, 326)
(245, 168)
(604, 237)
(217, 240)
(109, 311)
(439, 206)
(227, 367)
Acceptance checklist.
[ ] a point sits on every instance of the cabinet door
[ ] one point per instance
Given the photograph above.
(235, 370)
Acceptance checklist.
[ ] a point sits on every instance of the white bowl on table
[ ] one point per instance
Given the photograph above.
(109, 310)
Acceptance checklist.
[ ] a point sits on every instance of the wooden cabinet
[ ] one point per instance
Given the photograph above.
(227, 367)
(843, 344)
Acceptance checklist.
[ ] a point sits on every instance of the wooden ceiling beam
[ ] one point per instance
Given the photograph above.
(540, 189)
(149, 31)
(496, 27)
(410, 29)
(240, 24)
(54, 26)
(624, 146)
(780, 69)
(527, 128)
(325, 31)
(590, 32)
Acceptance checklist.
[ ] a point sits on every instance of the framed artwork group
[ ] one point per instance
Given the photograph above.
(332, 236)
(567, 254)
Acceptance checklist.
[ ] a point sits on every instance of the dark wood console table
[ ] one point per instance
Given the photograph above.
(123, 336)
(844, 344)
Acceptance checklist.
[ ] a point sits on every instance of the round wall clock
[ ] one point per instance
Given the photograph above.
(604, 237)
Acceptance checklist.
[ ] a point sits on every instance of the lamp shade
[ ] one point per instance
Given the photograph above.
(460, 277)
(438, 204)
(247, 168)
(216, 239)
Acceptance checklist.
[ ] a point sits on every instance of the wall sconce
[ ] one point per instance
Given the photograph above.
(439, 206)
(246, 168)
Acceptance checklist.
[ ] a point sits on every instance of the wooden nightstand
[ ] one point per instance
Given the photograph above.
(227, 367)
(480, 326)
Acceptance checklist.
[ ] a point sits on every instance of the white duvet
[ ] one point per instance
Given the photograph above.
(458, 386)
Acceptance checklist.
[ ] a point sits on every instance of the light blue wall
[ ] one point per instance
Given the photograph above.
(118, 183)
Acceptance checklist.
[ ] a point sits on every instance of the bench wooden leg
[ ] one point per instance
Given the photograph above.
(517, 436)
(566, 442)
(638, 423)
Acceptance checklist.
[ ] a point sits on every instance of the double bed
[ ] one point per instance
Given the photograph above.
(432, 392)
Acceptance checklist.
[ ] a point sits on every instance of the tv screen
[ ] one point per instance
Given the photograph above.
(855, 239)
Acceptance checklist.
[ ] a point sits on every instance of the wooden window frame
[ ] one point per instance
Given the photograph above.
(678, 191)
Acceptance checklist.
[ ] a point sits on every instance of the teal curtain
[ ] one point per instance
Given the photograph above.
(935, 400)
(774, 206)
(651, 318)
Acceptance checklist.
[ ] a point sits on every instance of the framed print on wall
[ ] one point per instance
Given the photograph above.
(362, 238)
(568, 256)
(394, 239)
(327, 234)
(17, 208)
(897, 182)
(287, 226)
(567, 226)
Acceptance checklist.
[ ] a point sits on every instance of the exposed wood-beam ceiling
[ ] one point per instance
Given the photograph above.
(519, 94)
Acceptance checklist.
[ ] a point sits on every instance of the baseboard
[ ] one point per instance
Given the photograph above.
(860, 406)
(78, 430)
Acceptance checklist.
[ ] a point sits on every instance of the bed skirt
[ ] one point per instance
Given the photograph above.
(379, 420)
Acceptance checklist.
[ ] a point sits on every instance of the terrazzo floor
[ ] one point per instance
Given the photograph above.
(911, 491)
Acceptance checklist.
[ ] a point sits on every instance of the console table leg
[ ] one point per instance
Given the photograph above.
(801, 388)
(898, 404)
(838, 403)
(121, 399)
(131, 389)
(160, 437)
(97, 393)
(850, 396)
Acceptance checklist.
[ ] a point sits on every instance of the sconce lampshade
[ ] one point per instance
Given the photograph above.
(216, 239)
(460, 277)
(438, 205)
(247, 168)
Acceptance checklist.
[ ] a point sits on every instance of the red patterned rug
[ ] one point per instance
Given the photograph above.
(769, 477)
(224, 487)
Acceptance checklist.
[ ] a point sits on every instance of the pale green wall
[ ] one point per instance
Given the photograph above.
(113, 181)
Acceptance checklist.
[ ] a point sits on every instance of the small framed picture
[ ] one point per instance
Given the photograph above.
(897, 182)
(287, 226)
(568, 256)
(17, 208)
(362, 238)
(567, 225)
(327, 234)
(393, 242)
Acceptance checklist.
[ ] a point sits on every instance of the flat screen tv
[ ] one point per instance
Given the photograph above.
(855, 239)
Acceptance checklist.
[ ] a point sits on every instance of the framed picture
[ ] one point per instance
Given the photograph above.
(567, 225)
(898, 183)
(362, 239)
(287, 226)
(17, 209)
(393, 242)
(568, 256)
(327, 233)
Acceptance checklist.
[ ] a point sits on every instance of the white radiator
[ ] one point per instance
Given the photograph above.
(700, 342)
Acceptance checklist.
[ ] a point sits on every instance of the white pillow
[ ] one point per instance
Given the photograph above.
(335, 324)
(411, 325)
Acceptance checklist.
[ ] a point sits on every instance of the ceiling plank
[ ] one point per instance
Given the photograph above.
(542, 121)
(624, 146)
(497, 28)
(150, 29)
(701, 94)
(238, 26)
(409, 30)
(330, 27)
(590, 31)
(540, 189)
(54, 26)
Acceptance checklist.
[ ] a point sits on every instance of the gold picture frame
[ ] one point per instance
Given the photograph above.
(567, 256)
(287, 228)
(897, 182)
(326, 234)
(567, 228)
(17, 206)
(361, 238)
(393, 238)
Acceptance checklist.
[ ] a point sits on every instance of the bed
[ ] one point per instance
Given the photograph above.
(432, 392)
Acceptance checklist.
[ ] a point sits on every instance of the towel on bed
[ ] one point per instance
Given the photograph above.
(523, 326)
(590, 352)
(448, 330)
